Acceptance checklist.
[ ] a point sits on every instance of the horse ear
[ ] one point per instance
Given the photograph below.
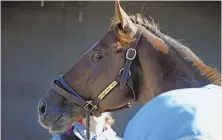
(124, 18)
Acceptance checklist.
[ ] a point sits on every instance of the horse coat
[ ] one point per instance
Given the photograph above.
(183, 114)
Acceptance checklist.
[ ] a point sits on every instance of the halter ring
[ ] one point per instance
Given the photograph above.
(131, 54)
(120, 72)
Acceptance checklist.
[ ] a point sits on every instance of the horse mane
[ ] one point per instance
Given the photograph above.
(206, 71)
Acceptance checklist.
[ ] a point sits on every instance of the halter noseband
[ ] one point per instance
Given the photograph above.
(122, 79)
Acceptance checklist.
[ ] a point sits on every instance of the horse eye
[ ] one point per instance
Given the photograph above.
(96, 56)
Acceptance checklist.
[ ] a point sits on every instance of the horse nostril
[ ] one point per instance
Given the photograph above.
(42, 108)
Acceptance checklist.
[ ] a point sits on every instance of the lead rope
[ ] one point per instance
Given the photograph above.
(87, 123)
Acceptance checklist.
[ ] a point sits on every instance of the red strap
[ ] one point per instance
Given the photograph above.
(70, 127)
(80, 121)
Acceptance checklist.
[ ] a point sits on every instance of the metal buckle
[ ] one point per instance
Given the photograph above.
(92, 104)
(120, 72)
(128, 56)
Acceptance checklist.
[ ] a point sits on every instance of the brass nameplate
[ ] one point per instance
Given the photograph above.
(107, 90)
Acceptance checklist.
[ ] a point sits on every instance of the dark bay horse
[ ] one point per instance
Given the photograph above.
(153, 63)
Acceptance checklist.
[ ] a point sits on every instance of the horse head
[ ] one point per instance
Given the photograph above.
(133, 61)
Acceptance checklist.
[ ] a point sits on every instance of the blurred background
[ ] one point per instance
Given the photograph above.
(42, 40)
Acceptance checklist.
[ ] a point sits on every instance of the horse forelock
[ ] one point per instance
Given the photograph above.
(122, 37)
(125, 38)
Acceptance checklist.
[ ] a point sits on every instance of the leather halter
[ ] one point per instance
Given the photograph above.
(122, 79)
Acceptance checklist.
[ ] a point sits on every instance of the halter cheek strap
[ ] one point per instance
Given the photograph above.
(130, 56)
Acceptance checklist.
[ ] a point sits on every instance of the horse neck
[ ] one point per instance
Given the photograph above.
(177, 69)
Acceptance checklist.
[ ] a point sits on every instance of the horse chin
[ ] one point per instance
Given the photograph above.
(60, 125)
(57, 129)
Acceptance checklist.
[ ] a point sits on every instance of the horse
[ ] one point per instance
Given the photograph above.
(133, 62)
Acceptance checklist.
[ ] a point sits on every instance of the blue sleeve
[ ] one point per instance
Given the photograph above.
(179, 113)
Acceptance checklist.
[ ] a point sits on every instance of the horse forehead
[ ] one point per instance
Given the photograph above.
(108, 38)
